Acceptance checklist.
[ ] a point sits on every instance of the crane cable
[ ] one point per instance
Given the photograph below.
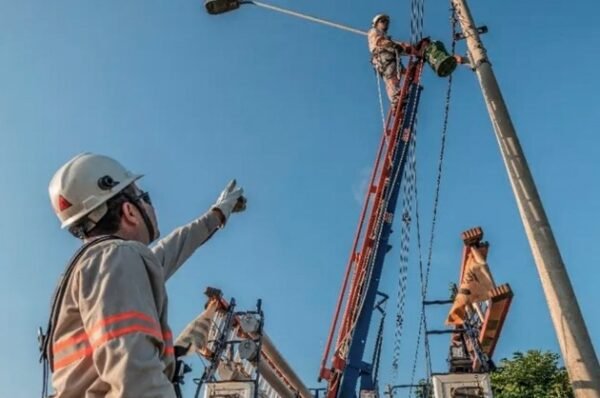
(424, 273)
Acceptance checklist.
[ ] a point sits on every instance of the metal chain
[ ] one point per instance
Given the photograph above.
(424, 273)
(408, 189)
(417, 20)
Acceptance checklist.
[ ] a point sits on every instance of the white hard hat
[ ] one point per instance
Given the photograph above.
(380, 16)
(81, 187)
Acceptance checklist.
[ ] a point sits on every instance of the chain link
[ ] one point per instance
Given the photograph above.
(409, 192)
(417, 19)
(425, 271)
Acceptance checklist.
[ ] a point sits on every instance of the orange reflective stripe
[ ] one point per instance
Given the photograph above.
(113, 334)
(69, 359)
(123, 316)
(83, 336)
(168, 339)
(88, 350)
(68, 342)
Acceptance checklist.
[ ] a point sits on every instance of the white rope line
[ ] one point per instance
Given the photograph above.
(381, 109)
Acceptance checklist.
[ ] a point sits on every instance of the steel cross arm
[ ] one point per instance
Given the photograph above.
(437, 302)
(389, 391)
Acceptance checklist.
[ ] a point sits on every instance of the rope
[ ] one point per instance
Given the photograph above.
(381, 108)
(306, 17)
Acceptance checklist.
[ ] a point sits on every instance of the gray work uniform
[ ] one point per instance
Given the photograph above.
(112, 338)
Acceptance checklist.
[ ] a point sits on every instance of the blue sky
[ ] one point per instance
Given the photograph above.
(290, 109)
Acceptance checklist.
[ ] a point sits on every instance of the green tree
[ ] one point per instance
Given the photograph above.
(424, 390)
(535, 374)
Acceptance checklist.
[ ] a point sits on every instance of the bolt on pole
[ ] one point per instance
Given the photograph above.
(574, 340)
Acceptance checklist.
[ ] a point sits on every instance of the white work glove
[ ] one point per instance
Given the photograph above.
(231, 200)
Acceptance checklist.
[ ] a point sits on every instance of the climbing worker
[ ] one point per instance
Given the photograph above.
(108, 333)
(386, 53)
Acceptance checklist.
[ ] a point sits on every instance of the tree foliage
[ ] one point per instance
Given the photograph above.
(534, 374)
(424, 390)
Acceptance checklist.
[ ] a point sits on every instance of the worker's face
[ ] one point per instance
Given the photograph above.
(145, 203)
(383, 24)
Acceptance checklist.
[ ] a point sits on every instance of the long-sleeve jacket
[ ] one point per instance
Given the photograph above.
(379, 40)
(112, 338)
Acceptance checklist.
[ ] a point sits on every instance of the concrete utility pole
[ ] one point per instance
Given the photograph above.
(575, 343)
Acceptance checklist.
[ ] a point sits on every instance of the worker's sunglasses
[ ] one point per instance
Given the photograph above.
(145, 196)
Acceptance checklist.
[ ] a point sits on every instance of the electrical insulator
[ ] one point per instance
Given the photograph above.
(249, 323)
(248, 350)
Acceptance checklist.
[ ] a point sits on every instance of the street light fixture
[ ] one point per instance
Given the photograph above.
(215, 7)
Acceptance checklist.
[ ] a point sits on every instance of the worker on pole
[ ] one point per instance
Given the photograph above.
(386, 53)
(108, 333)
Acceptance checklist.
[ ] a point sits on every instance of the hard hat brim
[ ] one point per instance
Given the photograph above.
(116, 190)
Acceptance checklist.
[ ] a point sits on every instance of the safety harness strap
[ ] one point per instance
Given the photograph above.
(45, 338)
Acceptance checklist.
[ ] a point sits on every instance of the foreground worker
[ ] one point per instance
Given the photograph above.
(386, 53)
(108, 334)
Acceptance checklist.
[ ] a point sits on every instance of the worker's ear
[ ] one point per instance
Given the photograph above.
(130, 214)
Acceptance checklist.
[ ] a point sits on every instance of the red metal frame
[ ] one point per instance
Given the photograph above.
(494, 318)
(357, 266)
(498, 305)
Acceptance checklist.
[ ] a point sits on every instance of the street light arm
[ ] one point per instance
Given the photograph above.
(215, 7)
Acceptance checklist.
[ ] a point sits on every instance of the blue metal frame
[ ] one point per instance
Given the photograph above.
(356, 368)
